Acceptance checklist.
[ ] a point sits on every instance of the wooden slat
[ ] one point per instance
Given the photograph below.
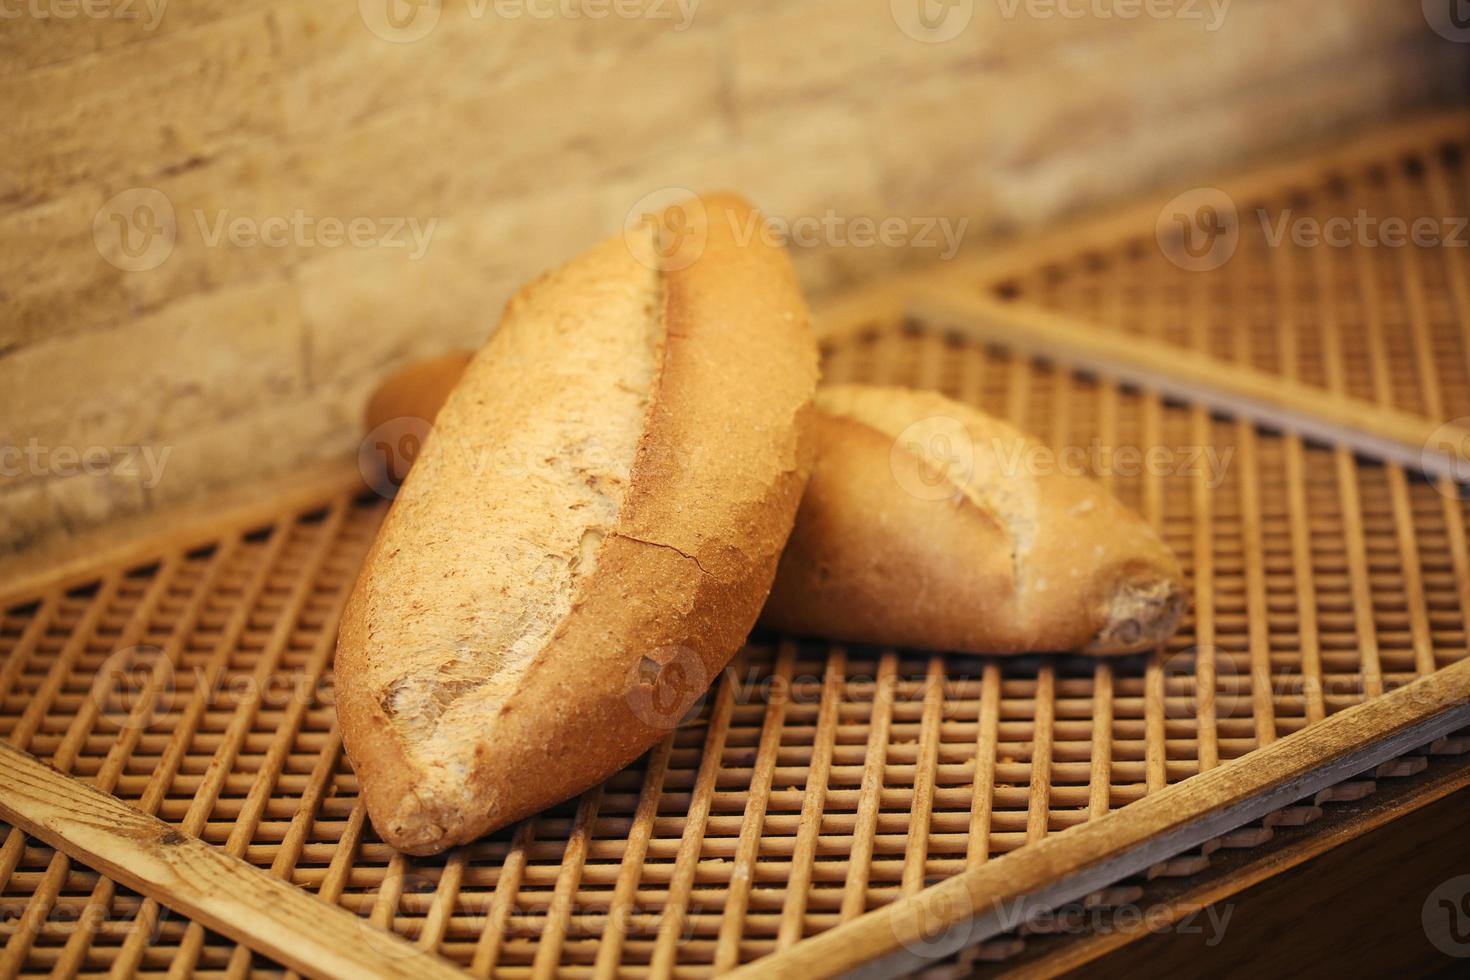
(991, 899)
(1263, 398)
(223, 893)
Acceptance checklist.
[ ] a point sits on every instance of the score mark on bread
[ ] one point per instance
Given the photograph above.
(925, 524)
(614, 476)
(923, 527)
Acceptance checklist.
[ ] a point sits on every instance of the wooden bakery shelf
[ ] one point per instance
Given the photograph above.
(895, 809)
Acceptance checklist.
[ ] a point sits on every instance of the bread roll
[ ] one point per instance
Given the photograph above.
(399, 421)
(588, 534)
(970, 552)
(927, 523)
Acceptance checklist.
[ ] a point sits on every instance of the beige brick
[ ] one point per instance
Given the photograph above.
(1188, 146)
(27, 515)
(824, 165)
(242, 185)
(1086, 95)
(433, 159)
(272, 440)
(60, 282)
(827, 161)
(197, 361)
(341, 74)
(364, 310)
(30, 42)
(86, 500)
(857, 55)
(1085, 98)
(833, 48)
(53, 279)
(129, 113)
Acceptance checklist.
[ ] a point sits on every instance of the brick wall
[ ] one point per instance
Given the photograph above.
(179, 313)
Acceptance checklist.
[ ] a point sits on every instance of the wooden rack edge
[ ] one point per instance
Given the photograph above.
(143, 537)
(996, 897)
(1107, 228)
(1234, 389)
(1387, 806)
(184, 873)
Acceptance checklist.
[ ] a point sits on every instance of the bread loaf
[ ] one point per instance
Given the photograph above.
(588, 534)
(927, 523)
(923, 527)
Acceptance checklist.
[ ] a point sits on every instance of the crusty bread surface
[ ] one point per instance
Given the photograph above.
(587, 536)
(927, 523)
(924, 525)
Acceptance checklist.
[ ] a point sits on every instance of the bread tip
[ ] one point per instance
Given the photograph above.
(1140, 615)
(413, 827)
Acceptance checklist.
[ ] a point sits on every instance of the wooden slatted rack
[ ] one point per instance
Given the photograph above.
(189, 675)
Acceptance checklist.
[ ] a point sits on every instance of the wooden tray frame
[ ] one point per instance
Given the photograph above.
(978, 905)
